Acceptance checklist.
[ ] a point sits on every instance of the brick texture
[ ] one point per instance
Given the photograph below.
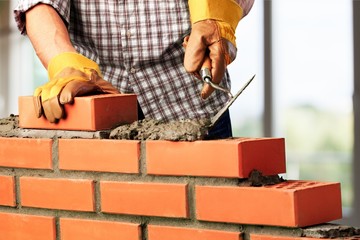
(7, 191)
(177, 233)
(99, 155)
(25, 153)
(20, 227)
(291, 204)
(91, 113)
(149, 199)
(218, 158)
(75, 229)
(64, 194)
(156, 190)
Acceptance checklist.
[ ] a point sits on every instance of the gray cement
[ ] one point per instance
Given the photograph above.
(256, 179)
(150, 129)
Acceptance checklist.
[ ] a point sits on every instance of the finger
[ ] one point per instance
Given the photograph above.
(194, 53)
(56, 108)
(218, 62)
(206, 91)
(48, 111)
(37, 106)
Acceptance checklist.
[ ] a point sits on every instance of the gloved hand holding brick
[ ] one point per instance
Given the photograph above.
(70, 75)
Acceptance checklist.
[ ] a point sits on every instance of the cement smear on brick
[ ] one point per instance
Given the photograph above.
(256, 179)
(150, 129)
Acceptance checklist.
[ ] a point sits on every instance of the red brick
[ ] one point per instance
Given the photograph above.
(218, 158)
(75, 229)
(267, 237)
(150, 199)
(177, 233)
(64, 194)
(92, 113)
(25, 153)
(99, 155)
(292, 204)
(20, 227)
(7, 191)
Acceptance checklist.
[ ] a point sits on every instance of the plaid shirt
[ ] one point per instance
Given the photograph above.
(138, 46)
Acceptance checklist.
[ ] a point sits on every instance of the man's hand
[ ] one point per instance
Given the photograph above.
(213, 34)
(70, 75)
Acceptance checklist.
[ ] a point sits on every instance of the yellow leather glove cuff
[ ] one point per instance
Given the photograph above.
(72, 60)
(226, 12)
(57, 65)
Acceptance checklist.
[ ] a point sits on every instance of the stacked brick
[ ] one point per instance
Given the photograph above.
(63, 189)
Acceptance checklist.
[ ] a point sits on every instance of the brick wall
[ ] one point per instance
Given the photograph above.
(61, 187)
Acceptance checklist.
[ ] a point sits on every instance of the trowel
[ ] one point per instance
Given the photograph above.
(206, 77)
(215, 118)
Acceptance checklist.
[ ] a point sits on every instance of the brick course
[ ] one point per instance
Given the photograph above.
(64, 189)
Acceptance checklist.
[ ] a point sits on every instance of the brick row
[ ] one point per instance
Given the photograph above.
(290, 204)
(234, 158)
(22, 226)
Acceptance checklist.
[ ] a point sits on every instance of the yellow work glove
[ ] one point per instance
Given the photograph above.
(212, 35)
(70, 75)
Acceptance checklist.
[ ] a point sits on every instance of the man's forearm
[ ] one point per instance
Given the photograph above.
(47, 33)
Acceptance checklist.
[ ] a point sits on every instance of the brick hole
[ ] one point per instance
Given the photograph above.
(294, 185)
(279, 185)
(310, 184)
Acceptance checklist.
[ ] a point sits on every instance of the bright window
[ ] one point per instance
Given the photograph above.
(313, 83)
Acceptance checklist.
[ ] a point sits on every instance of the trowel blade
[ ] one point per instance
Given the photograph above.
(228, 104)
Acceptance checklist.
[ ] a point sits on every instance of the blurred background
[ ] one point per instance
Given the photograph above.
(306, 57)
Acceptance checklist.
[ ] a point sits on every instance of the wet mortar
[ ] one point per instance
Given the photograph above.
(150, 129)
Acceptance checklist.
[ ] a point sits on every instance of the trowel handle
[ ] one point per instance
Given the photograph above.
(205, 71)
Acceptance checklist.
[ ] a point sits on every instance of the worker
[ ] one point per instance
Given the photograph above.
(112, 46)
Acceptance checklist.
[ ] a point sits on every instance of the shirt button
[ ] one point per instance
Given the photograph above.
(132, 70)
(128, 33)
